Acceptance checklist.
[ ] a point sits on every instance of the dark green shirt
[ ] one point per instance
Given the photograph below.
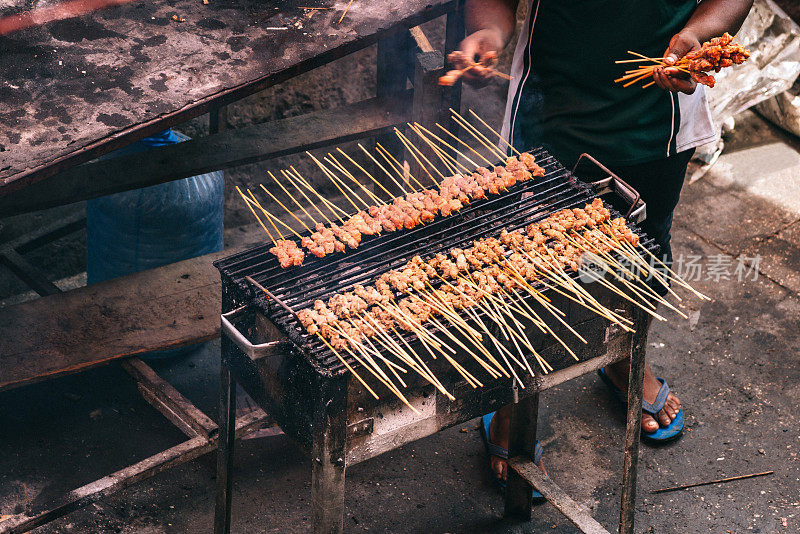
(563, 93)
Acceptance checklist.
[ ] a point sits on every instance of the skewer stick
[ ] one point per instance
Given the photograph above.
(450, 162)
(489, 314)
(452, 315)
(435, 381)
(347, 365)
(384, 381)
(644, 291)
(500, 137)
(448, 132)
(546, 304)
(271, 217)
(346, 9)
(619, 249)
(415, 325)
(568, 283)
(401, 353)
(341, 168)
(291, 197)
(362, 169)
(387, 173)
(425, 337)
(449, 168)
(627, 251)
(290, 212)
(477, 134)
(333, 179)
(526, 365)
(380, 356)
(413, 151)
(293, 174)
(256, 216)
(448, 145)
(591, 305)
(443, 328)
(680, 280)
(400, 167)
(493, 150)
(313, 205)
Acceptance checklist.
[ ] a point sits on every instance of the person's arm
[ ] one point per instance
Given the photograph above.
(712, 18)
(490, 25)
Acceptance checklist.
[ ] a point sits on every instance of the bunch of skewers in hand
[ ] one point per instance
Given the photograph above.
(486, 66)
(714, 55)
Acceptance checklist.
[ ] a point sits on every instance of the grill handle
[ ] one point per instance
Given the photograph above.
(255, 352)
(613, 183)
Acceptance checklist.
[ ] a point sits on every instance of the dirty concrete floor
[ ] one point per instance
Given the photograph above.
(734, 364)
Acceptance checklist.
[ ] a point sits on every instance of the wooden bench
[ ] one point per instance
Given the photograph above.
(174, 305)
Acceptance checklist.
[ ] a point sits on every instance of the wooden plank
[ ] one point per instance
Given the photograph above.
(94, 491)
(214, 152)
(556, 496)
(168, 400)
(123, 478)
(174, 305)
(89, 102)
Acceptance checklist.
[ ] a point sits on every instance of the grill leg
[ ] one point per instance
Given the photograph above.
(634, 422)
(328, 460)
(522, 442)
(227, 428)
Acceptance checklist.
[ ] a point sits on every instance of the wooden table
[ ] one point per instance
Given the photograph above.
(75, 89)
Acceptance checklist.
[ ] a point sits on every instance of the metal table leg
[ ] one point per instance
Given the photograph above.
(634, 421)
(328, 460)
(227, 428)
(522, 442)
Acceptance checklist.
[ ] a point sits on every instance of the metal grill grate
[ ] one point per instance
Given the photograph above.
(319, 278)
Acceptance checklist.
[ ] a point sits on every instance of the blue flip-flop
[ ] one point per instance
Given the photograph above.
(496, 450)
(663, 434)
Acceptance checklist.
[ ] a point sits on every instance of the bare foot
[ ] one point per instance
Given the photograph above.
(618, 373)
(498, 434)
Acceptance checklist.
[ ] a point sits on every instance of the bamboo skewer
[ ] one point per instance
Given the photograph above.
(448, 145)
(413, 151)
(290, 212)
(677, 277)
(334, 209)
(271, 217)
(493, 150)
(341, 168)
(348, 366)
(288, 176)
(291, 197)
(386, 153)
(362, 169)
(387, 173)
(500, 137)
(335, 182)
(642, 290)
(256, 216)
(453, 170)
(449, 160)
(451, 134)
(478, 135)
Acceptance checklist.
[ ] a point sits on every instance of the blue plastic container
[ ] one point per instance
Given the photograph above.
(154, 226)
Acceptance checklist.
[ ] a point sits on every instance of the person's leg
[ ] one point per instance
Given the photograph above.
(659, 183)
(498, 434)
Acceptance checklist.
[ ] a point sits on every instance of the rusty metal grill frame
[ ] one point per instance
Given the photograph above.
(319, 278)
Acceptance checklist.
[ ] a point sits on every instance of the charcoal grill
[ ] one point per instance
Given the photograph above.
(330, 416)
